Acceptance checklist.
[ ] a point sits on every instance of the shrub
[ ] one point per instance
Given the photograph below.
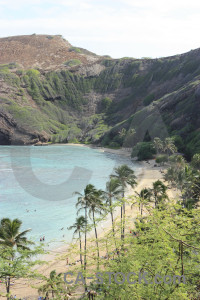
(32, 72)
(148, 99)
(178, 141)
(105, 104)
(75, 49)
(161, 159)
(114, 145)
(72, 62)
(105, 140)
(143, 150)
(196, 161)
(50, 37)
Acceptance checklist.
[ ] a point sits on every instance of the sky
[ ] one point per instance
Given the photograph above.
(119, 28)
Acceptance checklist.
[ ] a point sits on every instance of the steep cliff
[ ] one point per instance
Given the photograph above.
(52, 91)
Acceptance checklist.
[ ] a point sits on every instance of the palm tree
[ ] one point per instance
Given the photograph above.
(79, 225)
(113, 190)
(169, 146)
(125, 176)
(122, 133)
(171, 176)
(176, 174)
(10, 235)
(144, 197)
(158, 144)
(83, 202)
(11, 238)
(96, 207)
(159, 192)
(54, 284)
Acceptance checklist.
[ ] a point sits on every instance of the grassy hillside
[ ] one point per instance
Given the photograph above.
(92, 102)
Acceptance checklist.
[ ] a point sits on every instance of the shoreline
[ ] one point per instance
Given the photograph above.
(122, 151)
(105, 224)
(56, 258)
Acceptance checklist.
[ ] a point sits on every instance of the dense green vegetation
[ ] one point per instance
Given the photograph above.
(160, 95)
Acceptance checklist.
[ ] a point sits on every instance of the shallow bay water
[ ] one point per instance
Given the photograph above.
(22, 191)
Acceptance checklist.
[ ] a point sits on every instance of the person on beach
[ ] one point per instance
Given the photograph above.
(67, 261)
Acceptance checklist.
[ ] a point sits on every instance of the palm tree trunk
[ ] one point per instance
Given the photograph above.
(112, 219)
(155, 199)
(121, 221)
(85, 247)
(124, 216)
(95, 229)
(80, 249)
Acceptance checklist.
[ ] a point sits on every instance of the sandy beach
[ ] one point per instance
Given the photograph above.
(57, 258)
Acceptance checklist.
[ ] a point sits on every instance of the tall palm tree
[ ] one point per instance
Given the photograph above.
(11, 238)
(79, 226)
(159, 192)
(96, 206)
(10, 235)
(82, 203)
(113, 190)
(125, 176)
(54, 284)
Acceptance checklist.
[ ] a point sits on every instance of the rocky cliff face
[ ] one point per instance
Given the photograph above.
(52, 91)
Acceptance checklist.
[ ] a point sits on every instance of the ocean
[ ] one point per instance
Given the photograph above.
(37, 185)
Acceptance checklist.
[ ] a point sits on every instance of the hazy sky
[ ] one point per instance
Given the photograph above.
(119, 28)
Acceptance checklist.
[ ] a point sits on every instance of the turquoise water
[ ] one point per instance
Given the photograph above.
(37, 185)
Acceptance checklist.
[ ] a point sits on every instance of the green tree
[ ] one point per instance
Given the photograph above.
(143, 151)
(105, 104)
(159, 192)
(54, 285)
(158, 144)
(144, 198)
(83, 203)
(78, 227)
(15, 253)
(196, 161)
(125, 176)
(166, 246)
(122, 133)
(161, 159)
(95, 206)
(10, 235)
(113, 190)
(169, 146)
